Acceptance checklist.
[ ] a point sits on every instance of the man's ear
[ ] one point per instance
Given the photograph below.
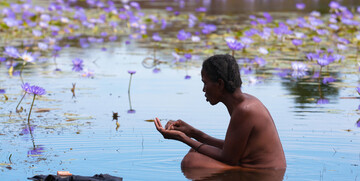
(221, 83)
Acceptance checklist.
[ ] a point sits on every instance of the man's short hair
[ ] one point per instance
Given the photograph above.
(223, 67)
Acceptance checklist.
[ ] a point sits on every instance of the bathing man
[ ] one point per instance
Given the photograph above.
(251, 140)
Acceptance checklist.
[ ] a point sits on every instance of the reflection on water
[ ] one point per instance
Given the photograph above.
(80, 136)
(233, 175)
(247, 6)
(309, 92)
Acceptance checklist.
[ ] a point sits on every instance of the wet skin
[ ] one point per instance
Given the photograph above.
(251, 139)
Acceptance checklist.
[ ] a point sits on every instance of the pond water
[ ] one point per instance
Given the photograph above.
(72, 128)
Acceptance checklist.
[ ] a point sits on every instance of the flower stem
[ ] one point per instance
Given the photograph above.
(320, 74)
(22, 68)
(20, 102)
(31, 108)
(129, 91)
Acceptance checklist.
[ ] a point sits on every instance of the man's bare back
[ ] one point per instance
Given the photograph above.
(263, 137)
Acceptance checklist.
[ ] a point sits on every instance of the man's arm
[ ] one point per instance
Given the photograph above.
(237, 135)
(207, 139)
(192, 132)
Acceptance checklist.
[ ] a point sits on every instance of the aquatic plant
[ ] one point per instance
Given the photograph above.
(26, 89)
(300, 6)
(26, 57)
(88, 73)
(299, 69)
(183, 35)
(35, 90)
(131, 72)
(77, 64)
(327, 80)
(233, 44)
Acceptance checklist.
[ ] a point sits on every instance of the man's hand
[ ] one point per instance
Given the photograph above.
(182, 126)
(169, 133)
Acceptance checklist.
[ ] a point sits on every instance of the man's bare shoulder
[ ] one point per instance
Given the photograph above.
(249, 104)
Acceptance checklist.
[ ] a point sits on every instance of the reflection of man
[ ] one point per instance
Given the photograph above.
(251, 139)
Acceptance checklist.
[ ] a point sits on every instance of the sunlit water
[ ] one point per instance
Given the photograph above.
(78, 134)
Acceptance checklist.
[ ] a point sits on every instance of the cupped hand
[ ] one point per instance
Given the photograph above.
(180, 125)
(169, 133)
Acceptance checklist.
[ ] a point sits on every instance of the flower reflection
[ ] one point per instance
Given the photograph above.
(322, 101)
(300, 6)
(299, 69)
(37, 150)
(27, 130)
(358, 121)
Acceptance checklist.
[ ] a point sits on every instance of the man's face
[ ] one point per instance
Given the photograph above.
(211, 89)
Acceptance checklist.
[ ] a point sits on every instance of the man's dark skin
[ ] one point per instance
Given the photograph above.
(251, 139)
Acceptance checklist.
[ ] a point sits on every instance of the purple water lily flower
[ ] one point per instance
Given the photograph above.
(156, 70)
(27, 56)
(334, 27)
(283, 72)
(12, 22)
(36, 90)
(208, 28)
(36, 33)
(201, 9)
(323, 61)
(358, 121)
(246, 70)
(26, 87)
(103, 34)
(168, 8)
(183, 35)
(322, 31)
(300, 6)
(113, 38)
(334, 5)
(327, 80)
(297, 42)
(268, 17)
(246, 41)
(312, 56)
(316, 39)
(233, 44)
(135, 5)
(156, 37)
(11, 52)
(358, 90)
(2, 91)
(260, 61)
(43, 46)
(131, 72)
(77, 64)
(88, 73)
(187, 56)
(187, 77)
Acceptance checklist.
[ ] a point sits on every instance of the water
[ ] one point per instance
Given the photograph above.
(77, 132)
